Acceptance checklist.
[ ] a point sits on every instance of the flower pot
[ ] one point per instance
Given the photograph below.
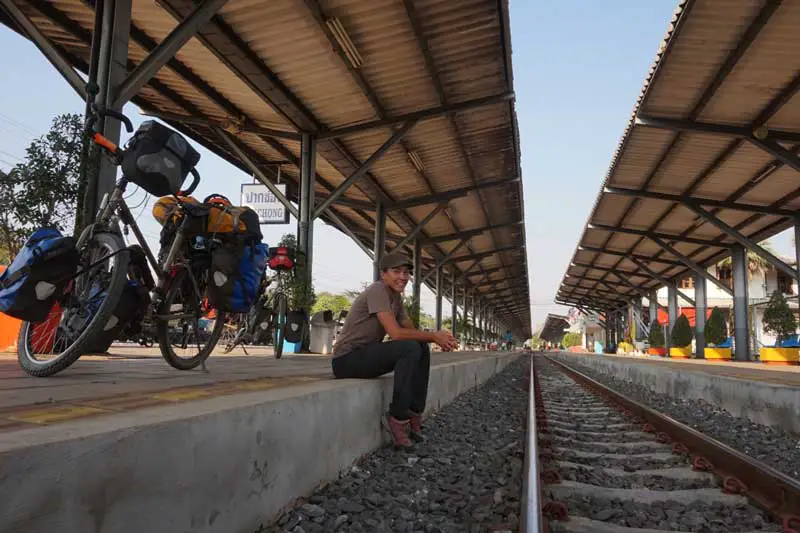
(680, 352)
(657, 351)
(779, 356)
(717, 354)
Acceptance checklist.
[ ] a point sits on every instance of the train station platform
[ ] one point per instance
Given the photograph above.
(764, 394)
(125, 443)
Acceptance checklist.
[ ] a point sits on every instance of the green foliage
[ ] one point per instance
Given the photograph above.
(299, 292)
(716, 330)
(43, 190)
(336, 303)
(572, 339)
(778, 318)
(656, 337)
(536, 342)
(682, 333)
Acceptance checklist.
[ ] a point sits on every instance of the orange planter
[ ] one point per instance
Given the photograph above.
(9, 330)
(657, 351)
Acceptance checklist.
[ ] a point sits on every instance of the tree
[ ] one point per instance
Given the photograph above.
(536, 342)
(326, 301)
(656, 337)
(571, 339)
(682, 333)
(715, 330)
(778, 318)
(43, 190)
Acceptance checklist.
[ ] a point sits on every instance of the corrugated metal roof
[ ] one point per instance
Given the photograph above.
(276, 64)
(723, 63)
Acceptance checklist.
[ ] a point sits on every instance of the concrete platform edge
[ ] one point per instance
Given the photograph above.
(228, 464)
(764, 403)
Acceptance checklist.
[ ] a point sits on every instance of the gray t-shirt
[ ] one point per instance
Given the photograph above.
(362, 327)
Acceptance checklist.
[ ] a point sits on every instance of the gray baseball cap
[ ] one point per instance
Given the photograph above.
(395, 260)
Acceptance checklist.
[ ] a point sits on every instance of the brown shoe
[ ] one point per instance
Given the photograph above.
(415, 427)
(398, 429)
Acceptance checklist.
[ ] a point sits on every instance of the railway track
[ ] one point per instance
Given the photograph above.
(608, 464)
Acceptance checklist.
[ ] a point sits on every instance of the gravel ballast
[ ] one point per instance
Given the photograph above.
(774, 448)
(465, 477)
(653, 489)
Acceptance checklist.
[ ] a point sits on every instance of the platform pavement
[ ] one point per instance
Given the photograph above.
(149, 448)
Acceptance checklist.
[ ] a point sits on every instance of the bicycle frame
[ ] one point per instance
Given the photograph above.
(114, 210)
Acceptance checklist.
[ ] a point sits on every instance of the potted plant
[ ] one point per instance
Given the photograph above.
(681, 339)
(656, 339)
(716, 333)
(780, 320)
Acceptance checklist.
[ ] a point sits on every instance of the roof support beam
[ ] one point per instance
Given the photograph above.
(165, 51)
(614, 271)
(449, 195)
(418, 115)
(243, 157)
(483, 255)
(665, 236)
(52, 53)
(719, 129)
(661, 278)
(469, 233)
(763, 209)
(746, 242)
(787, 157)
(365, 166)
(444, 260)
(623, 254)
(415, 231)
(232, 126)
(699, 270)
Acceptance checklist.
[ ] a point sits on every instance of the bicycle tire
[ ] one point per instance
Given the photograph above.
(278, 323)
(96, 324)
(163, 333)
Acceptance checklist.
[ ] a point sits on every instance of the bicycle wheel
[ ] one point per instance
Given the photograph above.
(278, 322)
(178, 325)
(48, 347)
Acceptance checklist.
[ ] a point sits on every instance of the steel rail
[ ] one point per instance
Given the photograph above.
(769, 489)
(531, 520)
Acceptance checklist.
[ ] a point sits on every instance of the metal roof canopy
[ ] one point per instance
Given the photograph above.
(433, 77)
(554, 328)
(708, 159)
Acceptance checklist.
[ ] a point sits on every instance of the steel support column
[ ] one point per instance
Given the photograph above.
(454, 303)
(700, 316)
(439, 294)
(111, 73)
(741, 318)
(417, 282)
(797, 253)
(305, 225)
(464, 307)
(652, 300)
(379, 243)
(672, 312)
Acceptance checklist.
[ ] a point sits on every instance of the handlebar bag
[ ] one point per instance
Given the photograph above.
(38, 275)
(158, 159)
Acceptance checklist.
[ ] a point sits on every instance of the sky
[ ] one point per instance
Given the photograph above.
(578, 67)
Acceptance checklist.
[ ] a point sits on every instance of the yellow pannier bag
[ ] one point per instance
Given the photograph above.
(222, 216)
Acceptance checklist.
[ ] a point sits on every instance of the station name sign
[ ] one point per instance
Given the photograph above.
(260, 199)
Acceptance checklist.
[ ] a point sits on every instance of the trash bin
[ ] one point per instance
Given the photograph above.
(323, 330)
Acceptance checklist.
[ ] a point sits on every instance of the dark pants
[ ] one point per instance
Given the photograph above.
(410, 361)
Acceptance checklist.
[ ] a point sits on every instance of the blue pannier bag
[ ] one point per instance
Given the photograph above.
(235, 275)
(38, 275)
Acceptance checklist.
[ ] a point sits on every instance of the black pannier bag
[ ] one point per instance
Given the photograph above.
(158, 159)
